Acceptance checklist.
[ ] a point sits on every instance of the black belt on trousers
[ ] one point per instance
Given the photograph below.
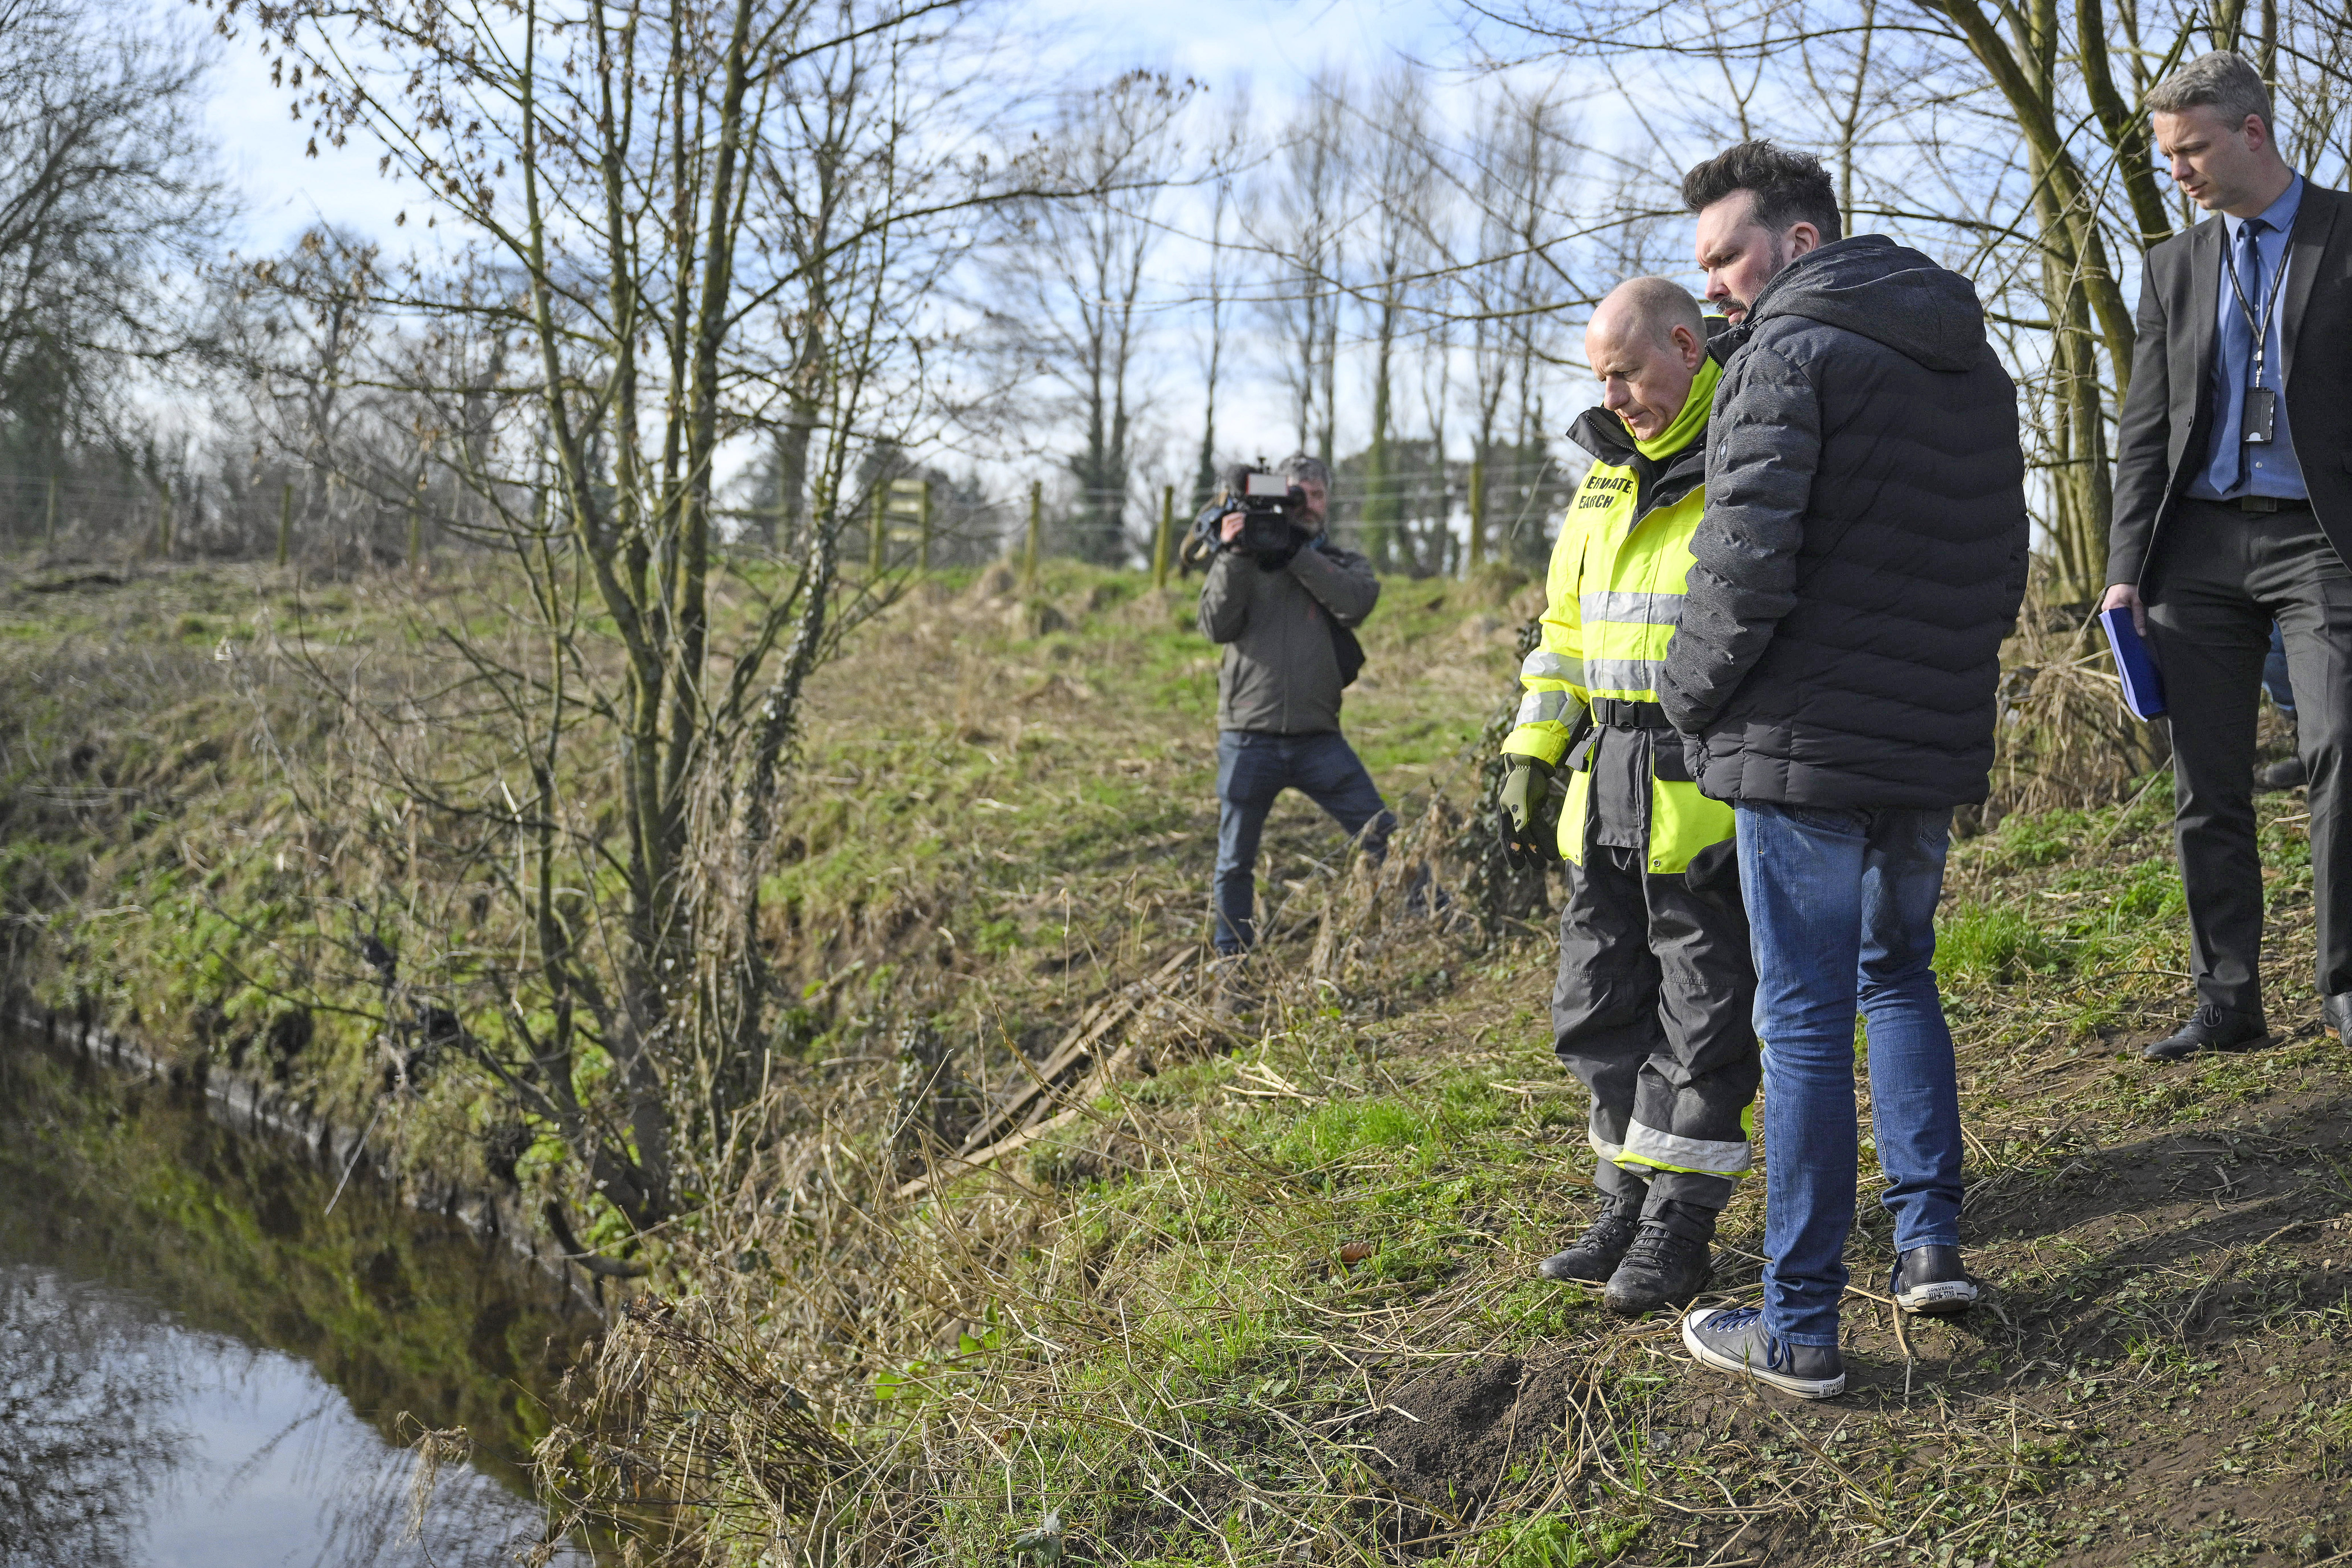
(1614, 713)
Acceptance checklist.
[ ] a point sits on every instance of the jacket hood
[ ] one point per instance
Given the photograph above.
(1886, 292)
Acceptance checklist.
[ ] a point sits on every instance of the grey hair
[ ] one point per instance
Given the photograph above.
(2222, 80)
(1305, 469)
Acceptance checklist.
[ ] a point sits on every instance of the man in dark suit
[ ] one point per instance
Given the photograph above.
(2233, 509)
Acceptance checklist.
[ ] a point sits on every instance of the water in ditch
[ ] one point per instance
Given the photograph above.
(202, 1367)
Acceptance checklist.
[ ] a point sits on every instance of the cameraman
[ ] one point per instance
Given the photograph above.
(1278, 693)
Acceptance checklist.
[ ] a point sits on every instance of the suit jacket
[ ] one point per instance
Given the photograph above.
(2168, 416)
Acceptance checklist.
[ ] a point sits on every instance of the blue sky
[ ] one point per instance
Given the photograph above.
(1068, 44)
(1274, 47)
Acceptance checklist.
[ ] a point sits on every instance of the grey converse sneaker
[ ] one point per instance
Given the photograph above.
(1734, 1339)
(1929, 1282)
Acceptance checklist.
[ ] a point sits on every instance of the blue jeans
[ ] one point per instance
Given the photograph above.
(1841, 913)
(1253, 767)
(2274, 676)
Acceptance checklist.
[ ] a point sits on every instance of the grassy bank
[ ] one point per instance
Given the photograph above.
(1275, 1304)
(1257, 1289)
(1000, 794)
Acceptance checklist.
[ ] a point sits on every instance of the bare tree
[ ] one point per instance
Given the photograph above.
(1216, 294)
(1436, 212)
(108, 195)
(1068, 299)
(1300, 225)
(307, 350)
(629, 177)
(1519, 288)
(1398, 186)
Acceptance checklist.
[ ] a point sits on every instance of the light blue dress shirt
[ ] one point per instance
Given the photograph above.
(2270, 467)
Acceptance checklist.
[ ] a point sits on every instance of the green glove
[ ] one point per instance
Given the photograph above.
(1530, 828)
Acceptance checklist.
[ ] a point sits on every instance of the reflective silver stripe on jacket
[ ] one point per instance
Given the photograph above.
(1545, 665)
(1671, 1152)
(1545, 708)
(1630, 606)
(1622, 674)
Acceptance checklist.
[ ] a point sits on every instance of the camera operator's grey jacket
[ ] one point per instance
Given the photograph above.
(1281, 674)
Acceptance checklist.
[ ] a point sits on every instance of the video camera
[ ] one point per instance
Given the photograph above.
(1274, 517)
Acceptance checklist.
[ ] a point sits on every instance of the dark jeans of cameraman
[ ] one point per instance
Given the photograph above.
(2275, 679)
(1253, 768)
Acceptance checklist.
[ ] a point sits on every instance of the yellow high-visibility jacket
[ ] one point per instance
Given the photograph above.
(1615, 589)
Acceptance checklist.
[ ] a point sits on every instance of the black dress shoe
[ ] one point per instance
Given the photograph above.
(2288, 774)
(2211, 1030)
(1592, 1259)
(2338, 1011)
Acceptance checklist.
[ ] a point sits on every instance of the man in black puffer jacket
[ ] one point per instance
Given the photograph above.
(1862, 557)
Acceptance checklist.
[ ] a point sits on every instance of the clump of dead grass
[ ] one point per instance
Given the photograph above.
(715, 1439)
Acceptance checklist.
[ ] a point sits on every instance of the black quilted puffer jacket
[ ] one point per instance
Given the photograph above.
(1864, 549)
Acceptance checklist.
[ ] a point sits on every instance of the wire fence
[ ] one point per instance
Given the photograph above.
(1427, 523)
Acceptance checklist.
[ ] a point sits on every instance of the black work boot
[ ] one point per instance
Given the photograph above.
(1592, 1259)
(1662, 1268)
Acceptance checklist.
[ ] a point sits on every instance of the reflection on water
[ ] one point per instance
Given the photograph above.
(85, 1427)
(130, 1439)
(198, 1367)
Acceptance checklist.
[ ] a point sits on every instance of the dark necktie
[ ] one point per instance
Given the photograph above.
(2237, 347)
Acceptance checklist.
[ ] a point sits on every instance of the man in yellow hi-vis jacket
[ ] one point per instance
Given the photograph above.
(1652, 1006)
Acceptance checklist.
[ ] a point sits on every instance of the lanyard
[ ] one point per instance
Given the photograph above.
(2262, 329)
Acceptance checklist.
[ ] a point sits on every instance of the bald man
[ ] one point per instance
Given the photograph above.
(1651, 1009)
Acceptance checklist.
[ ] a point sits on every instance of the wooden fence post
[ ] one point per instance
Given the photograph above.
(923, 523)
(1478, 513)
(1037, 526)
(1164, 541)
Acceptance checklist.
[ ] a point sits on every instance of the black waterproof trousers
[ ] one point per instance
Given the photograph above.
(1654, 1012)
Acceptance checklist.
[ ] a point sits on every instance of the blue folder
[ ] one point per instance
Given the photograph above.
(2143, 683)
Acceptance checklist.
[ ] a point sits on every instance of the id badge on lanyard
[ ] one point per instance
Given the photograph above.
(2260, 426)
(2262, 415)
